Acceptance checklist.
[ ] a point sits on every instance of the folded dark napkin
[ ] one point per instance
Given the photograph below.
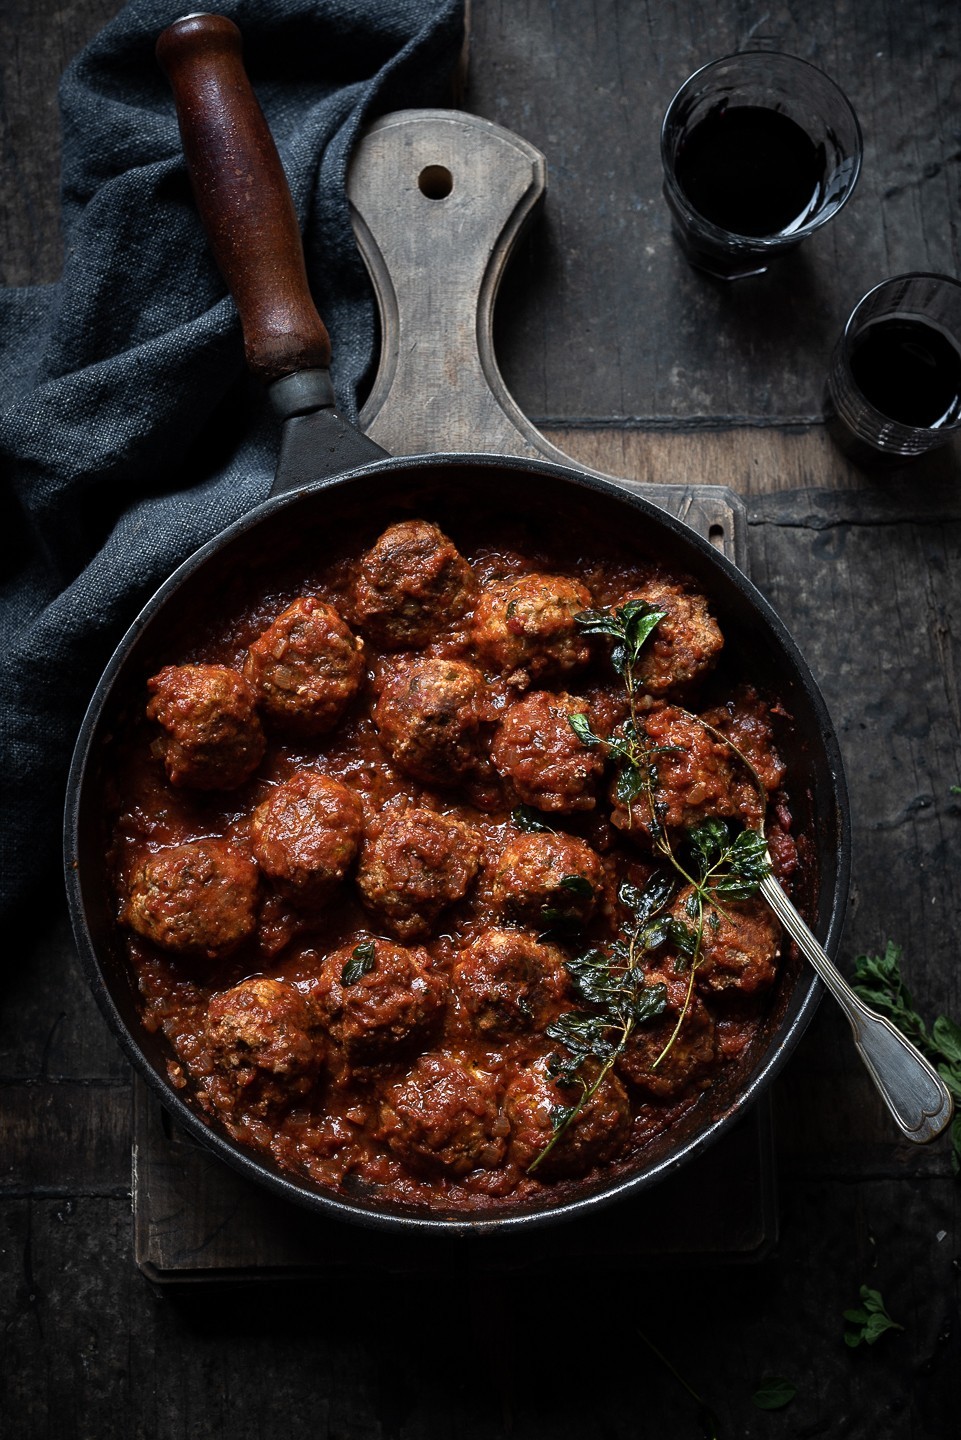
(129, 431)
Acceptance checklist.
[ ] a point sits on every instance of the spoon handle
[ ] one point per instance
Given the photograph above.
(911, 1088)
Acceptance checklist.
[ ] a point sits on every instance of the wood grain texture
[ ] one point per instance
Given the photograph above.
(755, 460)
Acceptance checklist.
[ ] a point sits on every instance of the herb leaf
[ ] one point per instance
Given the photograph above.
(773, 1392)
(613, 990)
(644, 904)
(628, 626)
(728, 863)
(869, 1322)
(947, 1037)
(582, 729)
(734, 862)
(525, 819)
(361, 961)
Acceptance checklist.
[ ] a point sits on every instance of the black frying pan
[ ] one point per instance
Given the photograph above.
(329, 476)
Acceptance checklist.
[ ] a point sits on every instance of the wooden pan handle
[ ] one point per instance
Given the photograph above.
(243, 197)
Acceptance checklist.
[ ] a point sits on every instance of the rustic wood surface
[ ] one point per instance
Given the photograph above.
(634, 365)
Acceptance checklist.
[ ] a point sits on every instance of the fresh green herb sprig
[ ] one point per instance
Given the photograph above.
(615, 995)
(629, 626)
(866, 1324)
(879, 982)
(724, 864)
(731, 863)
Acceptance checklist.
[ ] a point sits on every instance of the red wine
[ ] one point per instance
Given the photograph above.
(910, 370)
(750, 170)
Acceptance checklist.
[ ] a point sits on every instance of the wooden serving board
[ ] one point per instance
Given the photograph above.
(439, 199)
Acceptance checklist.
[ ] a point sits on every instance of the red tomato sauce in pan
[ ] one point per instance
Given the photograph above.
(358, 843)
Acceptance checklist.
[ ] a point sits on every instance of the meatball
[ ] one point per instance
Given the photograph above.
(445, 1117)
(410, 585)
(199, 897)
(526, 629)
(212, 739)
(420, 863)
(692, 777)
(740, 944)
(545, 878)
(428, 719)
(692, 1051)
(508, 982)
(594, 1136)
(377, 1000)
(306, 834)
(537, 750)
(263, 1042)
(306, 668)
(683, 645)
(745, 721)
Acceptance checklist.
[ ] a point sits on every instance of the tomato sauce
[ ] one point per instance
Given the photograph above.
(407, 1060)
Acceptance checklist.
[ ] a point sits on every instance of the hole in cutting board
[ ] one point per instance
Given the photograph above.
(435, 181)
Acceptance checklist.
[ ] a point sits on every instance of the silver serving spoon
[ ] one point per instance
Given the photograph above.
(911, 1088)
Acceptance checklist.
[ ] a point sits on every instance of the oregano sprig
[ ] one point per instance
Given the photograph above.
(722, 863)
(614, 996)
(869, 1321)
(725, 863)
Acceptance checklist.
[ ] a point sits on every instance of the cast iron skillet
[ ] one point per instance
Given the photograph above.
(329, 476)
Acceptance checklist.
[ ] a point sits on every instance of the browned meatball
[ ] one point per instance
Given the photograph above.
(543, 879)
(508, 981)
(420, 863)
(685, 1067)
(594, 1136)
(306, 667)
(264, 1043)
(378, 999)
(428, 720)
(410, 585)
(740, 944)
(536, 749)
(525, 628)
(306, 834)
(682, 646)
(212, 738)
(445, 1117)
(200, 897)
(745, 721)
(693, 777)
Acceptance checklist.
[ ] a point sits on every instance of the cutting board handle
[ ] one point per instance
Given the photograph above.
(242, 196)
(438, 199)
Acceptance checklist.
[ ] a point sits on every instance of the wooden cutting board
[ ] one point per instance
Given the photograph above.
(439, 199)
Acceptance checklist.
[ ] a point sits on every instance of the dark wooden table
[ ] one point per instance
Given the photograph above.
(634, 364)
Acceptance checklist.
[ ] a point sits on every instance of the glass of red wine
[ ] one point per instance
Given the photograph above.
(894, 386)
(759, 150)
